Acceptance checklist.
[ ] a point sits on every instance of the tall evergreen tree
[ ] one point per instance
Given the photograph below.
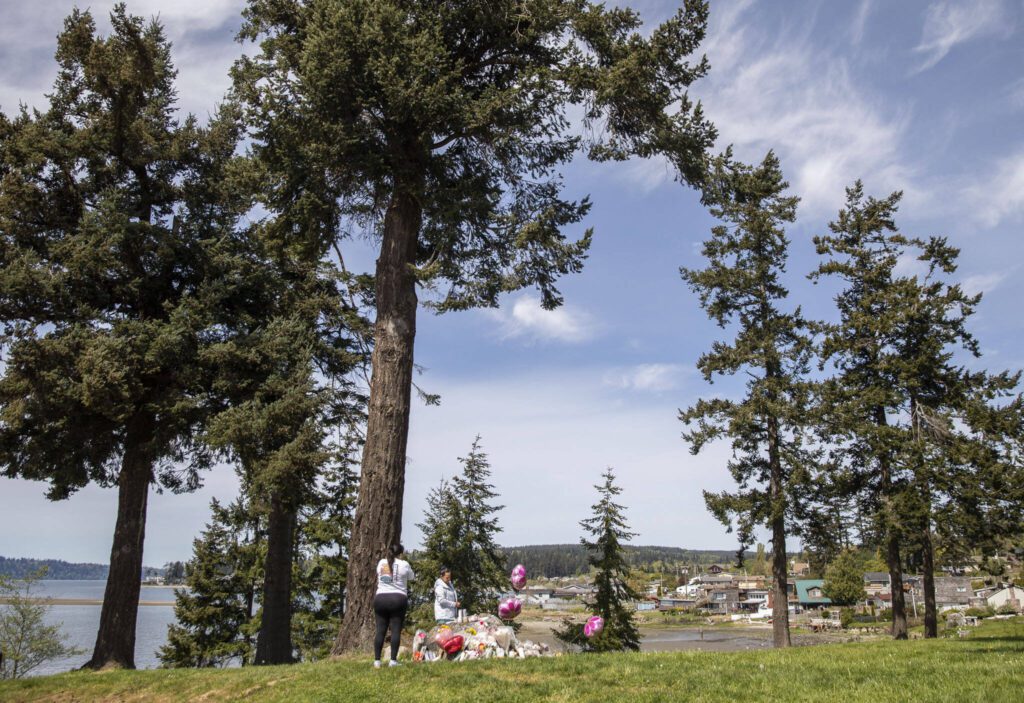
(609, 533)
(460, 528)
(914, 431)
(865, 248)
(116, 224)
(440, 128)
(742, 285)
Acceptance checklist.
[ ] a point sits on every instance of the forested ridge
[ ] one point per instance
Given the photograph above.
(55, 569)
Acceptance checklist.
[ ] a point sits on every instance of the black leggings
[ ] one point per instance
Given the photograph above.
(389, 609)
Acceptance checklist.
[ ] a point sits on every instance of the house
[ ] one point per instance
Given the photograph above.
(876, 583)
(1012, 596)
(713, 581)
(809, 593)
(716, 569)
(675, 603)
(747, 582)
(799, 568)
(536, 595)
(723, 600)
(575, 590)
(953, 592)
(753, 598)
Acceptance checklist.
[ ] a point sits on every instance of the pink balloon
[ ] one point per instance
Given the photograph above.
(518, 577)
(509, 608)
(594, 625)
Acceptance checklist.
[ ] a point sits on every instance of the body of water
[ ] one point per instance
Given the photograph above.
(80, 622)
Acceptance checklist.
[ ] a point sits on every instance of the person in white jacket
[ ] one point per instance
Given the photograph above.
(446, 599)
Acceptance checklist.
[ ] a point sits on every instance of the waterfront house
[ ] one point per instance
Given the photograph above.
(809, 593)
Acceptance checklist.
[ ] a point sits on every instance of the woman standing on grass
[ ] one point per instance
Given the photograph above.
(446, 599)
(391, 601)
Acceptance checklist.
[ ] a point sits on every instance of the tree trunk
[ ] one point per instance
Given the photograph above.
(899, 603)
(378, 517)
(931, 620)
(780, 585)
(115, 640)
(274, 642)
(892, 543)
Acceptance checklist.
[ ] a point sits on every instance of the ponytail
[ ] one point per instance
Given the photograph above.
(395, 550)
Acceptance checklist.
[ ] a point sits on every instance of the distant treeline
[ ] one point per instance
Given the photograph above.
(55, 569)
(553, 560)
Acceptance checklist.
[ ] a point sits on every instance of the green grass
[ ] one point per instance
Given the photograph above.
(988, 666)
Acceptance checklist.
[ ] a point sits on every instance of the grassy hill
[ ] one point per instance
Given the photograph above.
(987, 667)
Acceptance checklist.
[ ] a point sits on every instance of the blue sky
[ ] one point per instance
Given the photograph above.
(924, 97)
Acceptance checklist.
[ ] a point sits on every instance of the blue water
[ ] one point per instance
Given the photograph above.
(80, 622)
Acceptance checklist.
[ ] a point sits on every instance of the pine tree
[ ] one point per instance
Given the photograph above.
(442, 136)
(216, 616)
(460, 528)
(116, 231)
(609, 533)
(746, 258)
(915, 433)
(482, 574)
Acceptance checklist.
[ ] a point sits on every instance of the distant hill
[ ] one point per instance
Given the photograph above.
(552, 560)
(56, 569)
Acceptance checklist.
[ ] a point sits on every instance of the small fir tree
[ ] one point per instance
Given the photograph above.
(216, 615)
(844, 579)
(460, 528)
(609, 533)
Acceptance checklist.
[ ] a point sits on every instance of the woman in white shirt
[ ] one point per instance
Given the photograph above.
(391, 601)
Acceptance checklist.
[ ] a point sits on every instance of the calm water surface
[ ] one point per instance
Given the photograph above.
(80, 622)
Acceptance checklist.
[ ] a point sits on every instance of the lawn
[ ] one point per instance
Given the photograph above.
(988, 666)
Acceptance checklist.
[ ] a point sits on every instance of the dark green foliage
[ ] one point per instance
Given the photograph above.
(927, 445)
(215, 614)
(742, 286)
(117, 262)
(460, 528)
(608, 532)
(219, 617)
(110, 241)
(844, 579)
(464, 105)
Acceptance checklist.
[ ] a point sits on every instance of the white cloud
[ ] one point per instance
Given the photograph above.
(1000, 196)
(527, 319)
(860, 20)
(952, 22)
(201, 52)
(548, 436)
(647, 377)
(982, 282)
(772, 89)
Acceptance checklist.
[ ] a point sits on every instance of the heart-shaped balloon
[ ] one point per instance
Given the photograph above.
(518, 577)
(594, 625)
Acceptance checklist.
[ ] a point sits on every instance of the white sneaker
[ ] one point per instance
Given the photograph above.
(376, 663)
(393, 663)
